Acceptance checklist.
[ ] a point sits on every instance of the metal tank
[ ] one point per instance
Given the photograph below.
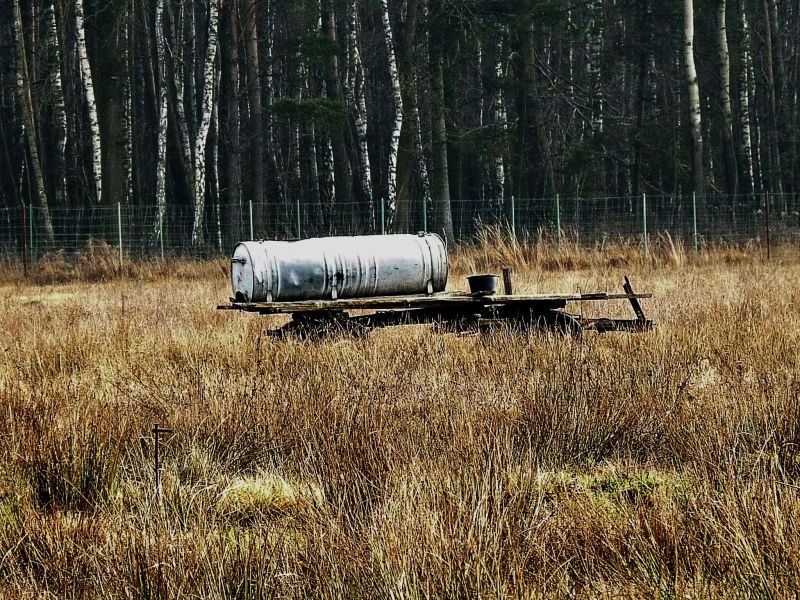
(338, 267)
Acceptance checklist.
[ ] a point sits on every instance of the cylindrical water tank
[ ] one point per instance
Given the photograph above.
(338, 267)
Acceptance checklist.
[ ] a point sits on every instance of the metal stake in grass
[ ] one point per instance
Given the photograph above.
(157, 431)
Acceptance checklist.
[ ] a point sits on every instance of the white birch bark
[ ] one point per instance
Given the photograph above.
(207, 92)
(127, 101)
(398, 111)
(500, 119)
(693, 95)
(88, 89)
(744, 101)
(161, 143)
(355, 89)
(59, 109)
(724, 63)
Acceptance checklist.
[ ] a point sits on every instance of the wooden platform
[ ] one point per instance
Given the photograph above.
(457, 301)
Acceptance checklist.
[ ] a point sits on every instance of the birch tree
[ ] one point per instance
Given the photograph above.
(746, 91)
(724, 65)
(357, 103)
(207, 93)
(88, 89)
(59, 110)
(397, 124)
(161, 144)
(693, 97)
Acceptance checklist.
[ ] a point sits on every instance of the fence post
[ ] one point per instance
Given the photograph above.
(25, 240)
(644, 225)
(297, 211)
(694, 219)
(424, 214)
(252, 235)
(513, 219)
(383, 215)
(161, 231)
(119, 232)
(558, 221)
(32, 252)
(769, 232)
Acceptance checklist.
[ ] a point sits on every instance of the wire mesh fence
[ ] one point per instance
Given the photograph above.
(141, 232)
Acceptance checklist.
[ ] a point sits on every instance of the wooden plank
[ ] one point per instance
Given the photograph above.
(508, 287)
(635, 304)
(441, 300)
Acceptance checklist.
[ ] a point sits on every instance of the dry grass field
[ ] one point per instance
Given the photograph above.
(404, 463)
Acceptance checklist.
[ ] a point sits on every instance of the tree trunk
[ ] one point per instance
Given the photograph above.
(161, 143)
(333, 87)
(440, 181)
(59, 109)
(250, 28)
(358, 108)
(29, 124)
(746, 92)
(207, 92)
(88, 88)
(397, 124)
(776, 185)
(728, 150)
(693, 96)
(230, 98)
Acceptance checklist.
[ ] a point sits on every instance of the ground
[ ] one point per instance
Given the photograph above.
(406, 462)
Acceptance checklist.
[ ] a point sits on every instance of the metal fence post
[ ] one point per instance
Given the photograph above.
(644, 225)
(424, 214)
(161, 231)
(25, 240)
(31, 239)
(252, 236)
(383, 215)
(769, 226)
(297, 211)
(694, 220)
(558, 221)
(513, 218)
(119, 232)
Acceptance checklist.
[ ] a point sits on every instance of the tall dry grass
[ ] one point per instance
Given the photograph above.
(405, 463)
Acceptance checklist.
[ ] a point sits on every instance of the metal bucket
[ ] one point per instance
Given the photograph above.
(338, 267)
(483, 285)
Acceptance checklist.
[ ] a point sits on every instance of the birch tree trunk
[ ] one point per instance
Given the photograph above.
(746, 92)
(161, 136)
(88, 89)
(728, 151)
(29, 123)
(397, 125)
(693, 96)
(59, 109)
(358, 107)
(207, 92)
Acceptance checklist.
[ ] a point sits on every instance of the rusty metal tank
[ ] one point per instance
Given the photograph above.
(338, 267)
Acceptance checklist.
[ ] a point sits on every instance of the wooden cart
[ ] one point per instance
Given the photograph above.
(453, 311)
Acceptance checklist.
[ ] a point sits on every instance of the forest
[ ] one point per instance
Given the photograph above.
(384, 114)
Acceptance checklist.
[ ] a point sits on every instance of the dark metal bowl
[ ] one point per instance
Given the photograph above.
(483, 285)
